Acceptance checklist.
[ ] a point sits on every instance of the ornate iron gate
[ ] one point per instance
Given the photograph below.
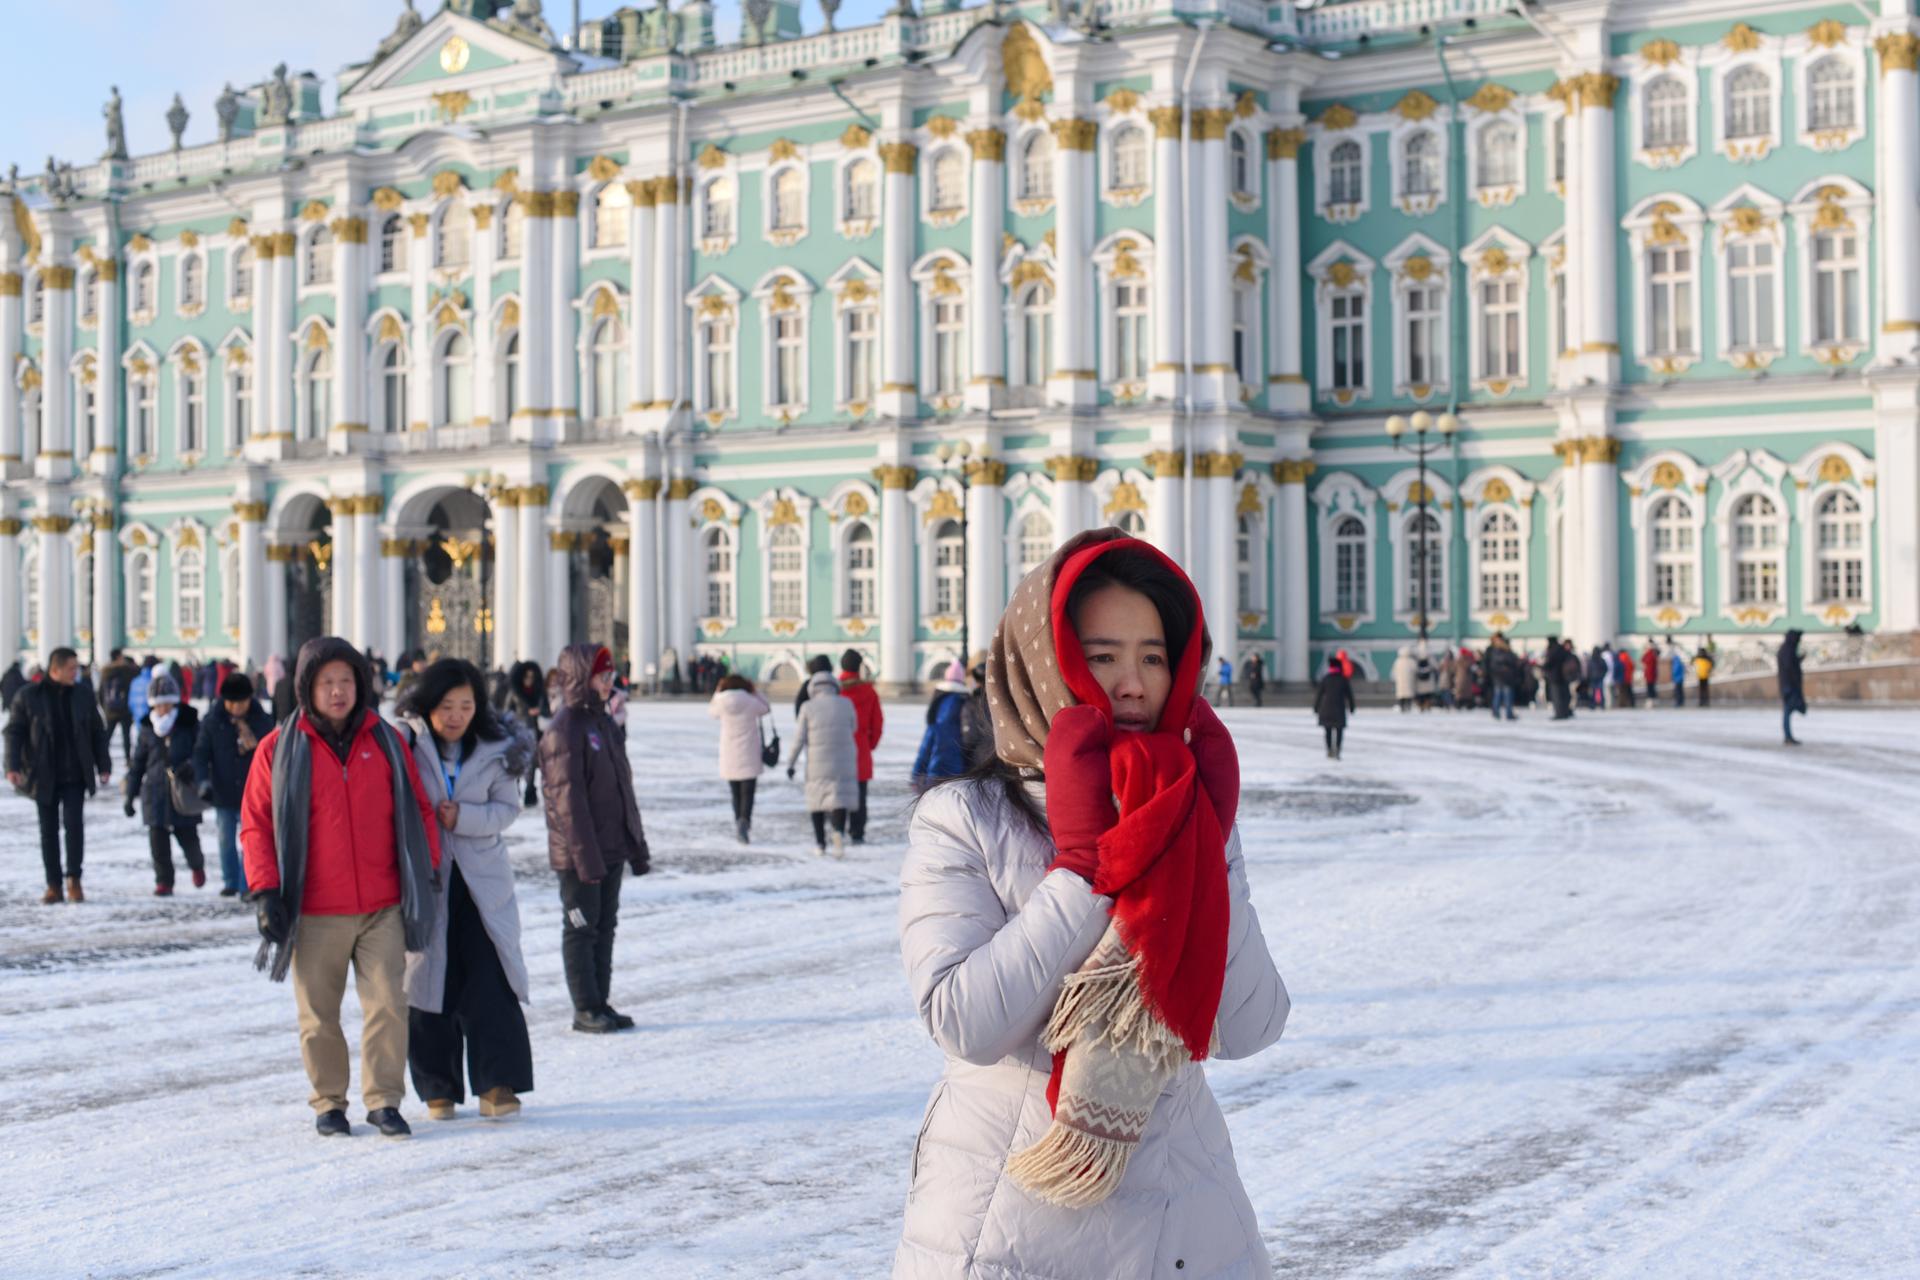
(309, 592)
(450, 590)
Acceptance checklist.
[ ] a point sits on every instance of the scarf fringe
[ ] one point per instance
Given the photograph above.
(1107, 1004)
(1071, 1169)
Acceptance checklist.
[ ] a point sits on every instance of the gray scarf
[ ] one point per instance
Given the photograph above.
(292, 798)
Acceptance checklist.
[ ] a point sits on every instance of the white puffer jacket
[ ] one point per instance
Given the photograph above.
(988, 936)
(739, 713)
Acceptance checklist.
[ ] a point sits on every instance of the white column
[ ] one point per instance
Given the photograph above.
(559, 592)
(266, 405)
(1212, 276)
(504, 524)
(643, 577)
(486, 362)
(899, 387)
(105, 605)
(106, 387)
(391, 625)
(366, 560)
(1167, 296)
(343, 565)
(1215, 524)
(536, 324)
(56, 581)
(254, 605)
(56, 459)
(533, 553)
(1286, 386)
(988, 221)
(350, 277)
(278, 557)
(1076, 376)
(668, 308)
(11, 285)
(1599, 565)
(643, 308)
(562, 396)
(986, 549)
(1071, 476)
(1896, 453)
(896, 574)
(420, 337)
(1599, 223)
(1899, 134)
(1291, 605)
(1167, 513)
(10, 603)
(680, 580)
(280, 300)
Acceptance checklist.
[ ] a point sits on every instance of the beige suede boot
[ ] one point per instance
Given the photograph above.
(498, 1103)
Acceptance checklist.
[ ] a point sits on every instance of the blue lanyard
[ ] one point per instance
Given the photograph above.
(451, 775)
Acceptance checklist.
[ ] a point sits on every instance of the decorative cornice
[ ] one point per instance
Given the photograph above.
(1899, 51)
(1166, 121)
(1076, 135)
(680, 488)
(52, 524)
(1209, 124)
(895, 477)
(1069, 468)
(1284, 144)
(987, 471)
(899, 157)
(59, 277)
(1292, 470)
(1216, 466)
(988, 144)
(645, 489)
(350, 230)
(251, 512)
(1166, 464)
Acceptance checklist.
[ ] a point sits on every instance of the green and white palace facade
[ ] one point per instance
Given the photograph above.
(695, 348)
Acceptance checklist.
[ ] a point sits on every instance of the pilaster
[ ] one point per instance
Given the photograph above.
(896, 574)
(899, 386)
(1168, 295)
(643, 579)
(1286, 385)
(986, 389)
(1076, 376)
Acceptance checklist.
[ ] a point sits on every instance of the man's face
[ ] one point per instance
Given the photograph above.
(334, 691)
(237, 709)
(64, 672)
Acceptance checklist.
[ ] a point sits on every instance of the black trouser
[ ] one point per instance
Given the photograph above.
(820, 818)
(1334, 734)
(124, 721)
(743, 799)
(1257, 690)
(1703, 686)
(857, 817)
(478, 1013)
(160, 844)
(586, 935)
(57, 802)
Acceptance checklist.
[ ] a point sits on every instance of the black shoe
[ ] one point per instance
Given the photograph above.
(594, 1023)
(332, 1124)
(387, 1120)
(229, 892)
(620, 1020)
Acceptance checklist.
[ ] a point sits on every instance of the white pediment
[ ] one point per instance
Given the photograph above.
(452, 51)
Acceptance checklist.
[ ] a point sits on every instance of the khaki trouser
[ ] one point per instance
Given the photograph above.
(376, 947)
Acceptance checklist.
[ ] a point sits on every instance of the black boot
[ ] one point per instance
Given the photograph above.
(621, 1021)
(387, 1120)
(594, 1022)
(332, 1124)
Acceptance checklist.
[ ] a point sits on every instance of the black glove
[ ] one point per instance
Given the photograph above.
(789, 773)
(127, 808)
(271, 914)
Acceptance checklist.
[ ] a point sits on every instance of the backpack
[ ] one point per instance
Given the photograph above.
(116, 695)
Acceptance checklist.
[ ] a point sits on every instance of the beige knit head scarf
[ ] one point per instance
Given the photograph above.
(1024, 686)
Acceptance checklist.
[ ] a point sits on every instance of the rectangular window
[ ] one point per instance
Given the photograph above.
(719, 370)
(1242, 334)
(789, 346)
(1837, 288)
(1349, 341)
(193, 421)
(143, 419)
(1670, 301)
(949, 342)
(1129, 331)
(862, 353)
(1750, 295)
(242, 406)
(1426, 362)
(947, 571)
(861, 577)
(1500, 329)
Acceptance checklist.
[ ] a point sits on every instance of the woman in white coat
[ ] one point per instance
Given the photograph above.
(998, 915)
(1406, 674)
(465, 990)
(739, 709)
(826, 736)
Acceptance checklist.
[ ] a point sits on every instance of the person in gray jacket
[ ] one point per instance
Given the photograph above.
(464, 991)
(826, 736)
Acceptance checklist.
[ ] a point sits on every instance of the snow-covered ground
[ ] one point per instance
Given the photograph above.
(1635, 995)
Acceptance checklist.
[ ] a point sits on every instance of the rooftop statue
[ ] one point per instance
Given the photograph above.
(116, 128)
(226, 109)
(177, 117)
(403, 29)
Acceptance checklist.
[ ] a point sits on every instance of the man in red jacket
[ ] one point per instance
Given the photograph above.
(867, 723)
(342, 853)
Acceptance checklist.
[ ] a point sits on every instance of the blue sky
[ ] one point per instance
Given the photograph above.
(62, 57)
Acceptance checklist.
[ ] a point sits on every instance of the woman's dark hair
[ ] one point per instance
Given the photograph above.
(1126, 567)
(734, 682)
(236, 688)
(432, 686)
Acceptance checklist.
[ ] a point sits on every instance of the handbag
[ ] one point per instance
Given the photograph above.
(183, 794)
(769, 751)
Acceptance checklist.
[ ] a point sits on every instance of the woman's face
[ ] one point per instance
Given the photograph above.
(452, 714)
(1126, 648)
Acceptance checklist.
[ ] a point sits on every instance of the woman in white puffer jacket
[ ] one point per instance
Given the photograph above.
(991, 928)
(739, 708)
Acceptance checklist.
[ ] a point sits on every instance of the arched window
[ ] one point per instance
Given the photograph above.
(1749, 93)
(1420, 168)
(140, 592)
(610, 210)
(1131, 523)
(786, 573)
(1424, 570)
(1501, 563)
(318, 267)
(510, 375)
(140, 298)
(1839, 289)
(453, 246)
(1240, 164)
(717, 223)
(1037, 335)
(863, 571)
(230, 590)
(456, 380)
(1663, 113)
(1756, 551)
(1036, 167)
(1345, 174)
(789, 192)
(1243, 564)
(949, 190)
(863, 191)
(393, 243)
(1840, 545)
(317, 392)
(1673, 551)
(716, 382)
(393, 388)
(193, 408)
(1830, 94)
(1130, 328)
(513, 229)
(949, 568)
(717, 547)
(1350, 565)
(608, 375)
(190, 592)
(1127, 158)
(193, 280)
(1034, 539)
(240, 273)
(1499, 158)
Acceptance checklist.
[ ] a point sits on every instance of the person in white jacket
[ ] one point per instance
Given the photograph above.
(739, 708)
(992, 924)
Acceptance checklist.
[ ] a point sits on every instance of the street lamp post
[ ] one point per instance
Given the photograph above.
(956, 453)
(1422, 422)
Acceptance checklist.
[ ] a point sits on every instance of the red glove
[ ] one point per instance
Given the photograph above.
(1079, 787)
(1215, 760)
